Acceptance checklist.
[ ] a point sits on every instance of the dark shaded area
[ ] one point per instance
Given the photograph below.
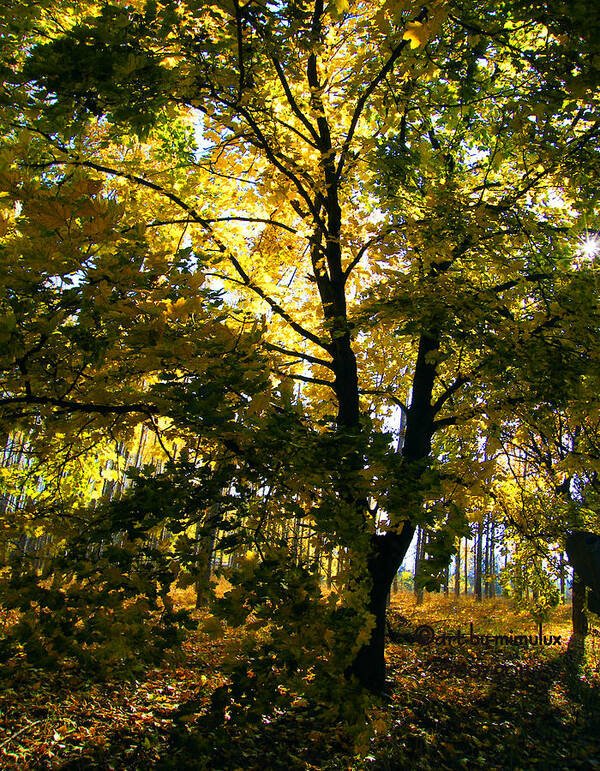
(449, 708)
(583, 550)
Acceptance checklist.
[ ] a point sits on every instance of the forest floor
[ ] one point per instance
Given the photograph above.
(452, 704)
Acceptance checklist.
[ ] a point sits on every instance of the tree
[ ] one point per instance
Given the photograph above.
(394, 189)
(547, 489)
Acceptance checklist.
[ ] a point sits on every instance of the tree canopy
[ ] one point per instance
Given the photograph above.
(340, 260)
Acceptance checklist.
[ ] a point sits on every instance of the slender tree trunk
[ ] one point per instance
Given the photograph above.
(124, 454)
(492, 557)
(489, 558)
(417, 560)
(205, 549)
(140, 447)
(485, 567)
(466, 561)
(457, 571)
(477, 561)
(329, 568)
(295, 541)
(342, 556)
(419, 591)
(316, 558)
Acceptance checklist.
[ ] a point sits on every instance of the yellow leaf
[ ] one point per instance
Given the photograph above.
(417, 33)
(341, 6)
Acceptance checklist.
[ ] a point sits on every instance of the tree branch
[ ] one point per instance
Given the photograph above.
(306, 379)
(211, 220)
(292, 102)
(362, 251)
(305, 356)
(195, 217)
(276, 307)
(73, 406)
(452, 389)
(386, 394)
(269, 152)
(363, 99)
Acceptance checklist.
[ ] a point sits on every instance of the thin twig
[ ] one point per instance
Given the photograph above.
(22, 731)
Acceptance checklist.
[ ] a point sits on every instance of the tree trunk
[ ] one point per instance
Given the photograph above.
(328, 579)
(388, 551)
(579, 617)
(294, 541)
(466, 560)
(417, 559)
(457, 571)
(315, 558)
(492, 557)
(485, 568)
(386, 557)
(477, 562)
(204, 552)
(419, 591)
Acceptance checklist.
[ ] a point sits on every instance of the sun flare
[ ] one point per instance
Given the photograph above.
(589, 247)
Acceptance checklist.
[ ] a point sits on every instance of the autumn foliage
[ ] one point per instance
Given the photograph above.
(282, 284)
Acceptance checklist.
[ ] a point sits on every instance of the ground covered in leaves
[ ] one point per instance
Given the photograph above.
(452, 703)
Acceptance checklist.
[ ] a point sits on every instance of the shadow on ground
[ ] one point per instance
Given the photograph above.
(448, 708)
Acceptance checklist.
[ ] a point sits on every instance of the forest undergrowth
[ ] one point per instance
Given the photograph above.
(466, 703)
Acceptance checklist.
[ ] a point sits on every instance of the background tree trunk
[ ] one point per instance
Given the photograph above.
(492, 557)
(457, 571)
(477, 562)
(466, 566)
(417, 560)
(420, 556)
